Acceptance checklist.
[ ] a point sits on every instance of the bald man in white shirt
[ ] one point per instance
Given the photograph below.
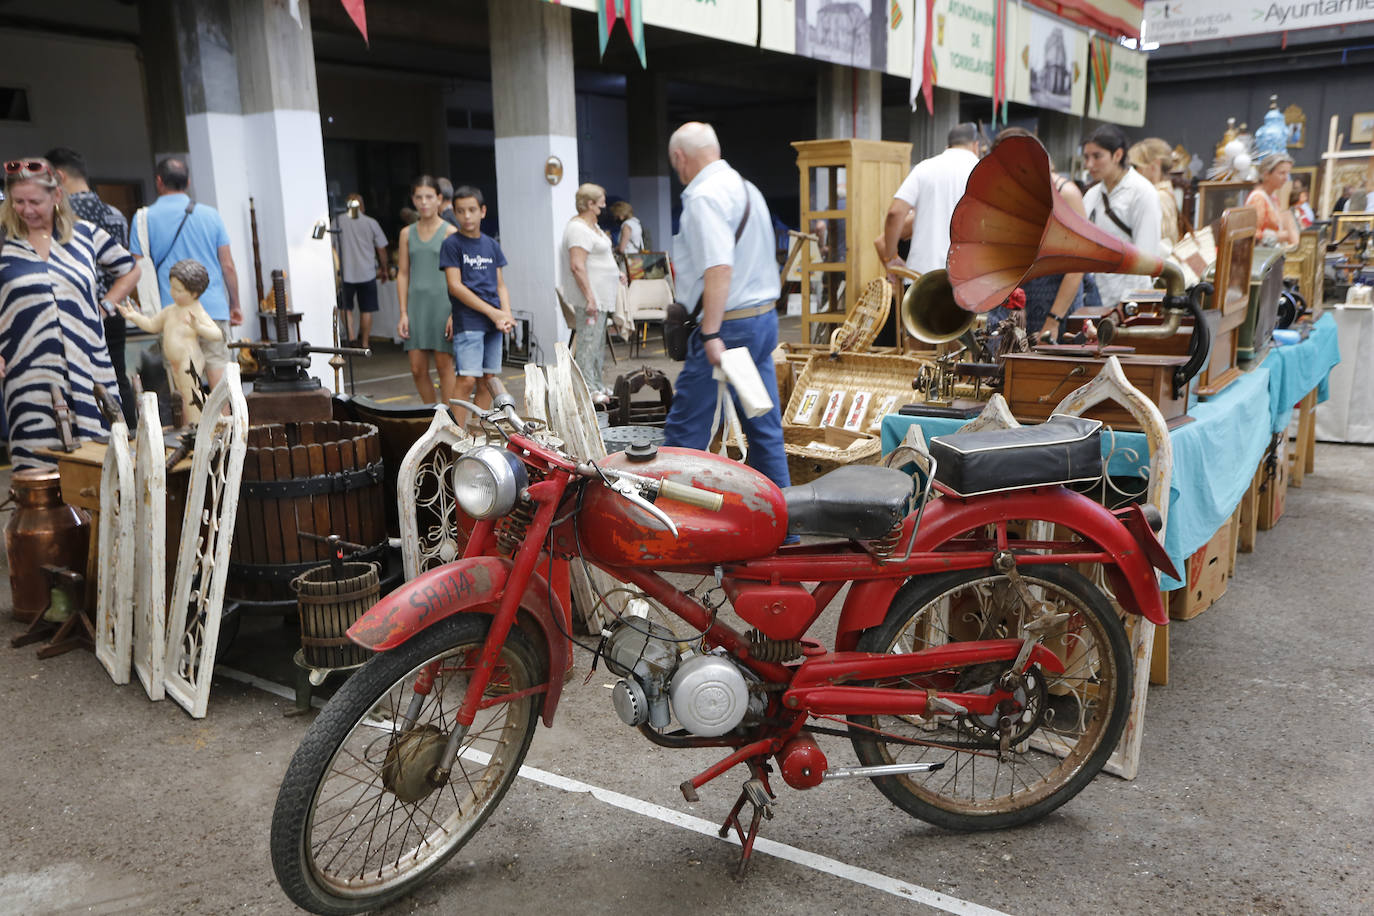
(723, 258)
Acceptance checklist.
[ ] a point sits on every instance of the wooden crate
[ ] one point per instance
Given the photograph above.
(814, 446)
(1274, 487)
(1207, 573)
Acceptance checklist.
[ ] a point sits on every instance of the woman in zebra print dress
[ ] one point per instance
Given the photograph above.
(51, 326)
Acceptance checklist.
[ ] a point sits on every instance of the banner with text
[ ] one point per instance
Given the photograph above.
(962, 48)
(867, 34)
(1176, 21)
(1049, 66)
(1116, 83)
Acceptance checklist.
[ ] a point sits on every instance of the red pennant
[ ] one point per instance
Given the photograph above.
(928, 65)
(355, 11)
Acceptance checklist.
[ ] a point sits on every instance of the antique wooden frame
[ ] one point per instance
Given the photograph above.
(1111, 385)
(1214, 197)
(424, 482)
(1231, 296)
(114, 615)
(150, 554)
(207, 533)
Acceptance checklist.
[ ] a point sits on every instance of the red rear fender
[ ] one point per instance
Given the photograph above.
(472, 584)
(1134, 554)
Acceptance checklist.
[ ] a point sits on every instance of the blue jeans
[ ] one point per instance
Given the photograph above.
(477, 353)
(694, 397)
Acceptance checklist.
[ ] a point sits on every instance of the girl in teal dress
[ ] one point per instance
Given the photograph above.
(423, 294)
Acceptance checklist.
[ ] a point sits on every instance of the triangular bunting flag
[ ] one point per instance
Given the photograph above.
(355, 11)
(631, 12)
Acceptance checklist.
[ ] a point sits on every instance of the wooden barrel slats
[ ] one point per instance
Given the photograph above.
(317, 478)
(329, 606)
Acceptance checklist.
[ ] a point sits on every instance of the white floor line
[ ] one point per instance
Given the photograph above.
(829, 866)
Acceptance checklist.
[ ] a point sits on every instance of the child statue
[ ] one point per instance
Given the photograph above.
(183, 325)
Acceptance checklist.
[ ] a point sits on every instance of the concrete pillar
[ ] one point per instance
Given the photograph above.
(849, 103)
(1061, 133)
(253, 130)
(161, 79)
(646, 99)
(930, 131)
(535, 117)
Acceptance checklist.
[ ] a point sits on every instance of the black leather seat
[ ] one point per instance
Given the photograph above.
(862, 502)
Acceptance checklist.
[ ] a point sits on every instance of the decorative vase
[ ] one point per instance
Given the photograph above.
(1272, 136)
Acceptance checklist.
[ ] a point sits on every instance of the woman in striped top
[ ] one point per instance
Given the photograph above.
(51, 321)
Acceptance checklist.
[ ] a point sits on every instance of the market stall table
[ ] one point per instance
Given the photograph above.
(1215, 457)
(1298, 378)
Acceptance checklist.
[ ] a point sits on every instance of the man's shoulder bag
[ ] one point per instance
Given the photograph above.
(678, 323)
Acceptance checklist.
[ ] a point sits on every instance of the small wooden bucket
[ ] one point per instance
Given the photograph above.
(329, 606)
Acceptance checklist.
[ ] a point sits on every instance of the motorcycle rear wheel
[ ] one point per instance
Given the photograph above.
(343, 840)
(1085, 708)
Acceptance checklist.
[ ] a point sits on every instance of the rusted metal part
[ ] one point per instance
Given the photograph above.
(751, 523)
(63, 415)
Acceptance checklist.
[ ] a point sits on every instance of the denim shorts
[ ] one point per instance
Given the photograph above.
(477, 353)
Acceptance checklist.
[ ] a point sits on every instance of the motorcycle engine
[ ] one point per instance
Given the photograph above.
(708, 693)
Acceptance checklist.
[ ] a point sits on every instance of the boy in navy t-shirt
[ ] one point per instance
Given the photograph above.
(472, 263)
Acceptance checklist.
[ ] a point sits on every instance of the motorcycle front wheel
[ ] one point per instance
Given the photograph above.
(357, 824)
(1066, 727)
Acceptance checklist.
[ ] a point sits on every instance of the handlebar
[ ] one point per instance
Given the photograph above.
(692, 496)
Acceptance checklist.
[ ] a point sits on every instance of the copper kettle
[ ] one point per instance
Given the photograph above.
(43, 530)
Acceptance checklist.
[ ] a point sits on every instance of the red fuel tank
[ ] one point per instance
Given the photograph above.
(751, 523)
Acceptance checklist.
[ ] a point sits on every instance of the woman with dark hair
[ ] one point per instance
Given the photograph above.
(1048, 299)
(1123, 204)
(52, 328)
(422, 292)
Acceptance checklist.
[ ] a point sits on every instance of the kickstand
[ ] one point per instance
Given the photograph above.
(757, 793)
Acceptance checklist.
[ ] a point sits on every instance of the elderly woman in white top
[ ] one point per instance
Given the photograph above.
(1123, 203)
(590, 282)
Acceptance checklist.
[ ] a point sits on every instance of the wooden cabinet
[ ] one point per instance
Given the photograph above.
(846, 187)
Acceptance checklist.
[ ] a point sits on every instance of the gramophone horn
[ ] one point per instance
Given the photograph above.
(929, 312)
(1011, 225)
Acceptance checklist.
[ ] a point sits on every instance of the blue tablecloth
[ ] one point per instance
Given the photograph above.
(1297, 369)
(1215, 457)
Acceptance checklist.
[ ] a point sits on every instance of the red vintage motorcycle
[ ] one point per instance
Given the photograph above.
(980, 679)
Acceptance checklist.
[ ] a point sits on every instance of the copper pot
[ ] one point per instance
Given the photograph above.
(43, 531)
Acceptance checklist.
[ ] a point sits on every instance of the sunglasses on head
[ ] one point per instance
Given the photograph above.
(27, 167)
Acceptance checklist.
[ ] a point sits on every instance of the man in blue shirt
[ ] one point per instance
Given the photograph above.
(724, 259)
(180, 228)
(472, 264)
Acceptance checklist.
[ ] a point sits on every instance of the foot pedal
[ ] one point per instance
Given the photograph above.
(689, 791)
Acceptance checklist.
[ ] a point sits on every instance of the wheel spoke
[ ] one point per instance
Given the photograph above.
(1076, 714)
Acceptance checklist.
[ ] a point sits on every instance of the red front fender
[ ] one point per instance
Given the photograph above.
(471, 584)
(1132, 572)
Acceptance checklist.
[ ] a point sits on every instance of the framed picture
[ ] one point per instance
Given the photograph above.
(1348, 221)
(1296, 123)
(1362, 127)
(1215, 197)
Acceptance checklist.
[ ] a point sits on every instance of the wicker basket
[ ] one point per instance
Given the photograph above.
(813, 449)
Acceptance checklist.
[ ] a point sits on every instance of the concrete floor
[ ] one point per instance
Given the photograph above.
(112, 804)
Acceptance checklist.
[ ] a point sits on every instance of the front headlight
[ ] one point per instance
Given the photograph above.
(487, 481)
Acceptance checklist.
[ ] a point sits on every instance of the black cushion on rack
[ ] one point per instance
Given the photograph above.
(1063, 449)
(858, 501)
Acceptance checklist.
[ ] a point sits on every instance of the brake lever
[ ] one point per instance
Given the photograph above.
(630, 491)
